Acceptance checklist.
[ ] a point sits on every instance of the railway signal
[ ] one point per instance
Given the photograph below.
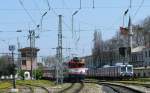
(12, 48)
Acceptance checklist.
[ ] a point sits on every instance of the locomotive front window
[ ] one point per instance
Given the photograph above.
(123, 69)
(129, 69)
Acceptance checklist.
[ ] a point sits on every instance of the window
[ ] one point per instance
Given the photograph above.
(123, 69)
(149, 73)
(139, 75)
(145, 53)
(135, 57)
(23, 62)
(28, 53)
(144, 74)
(23, 54)
(129, 69)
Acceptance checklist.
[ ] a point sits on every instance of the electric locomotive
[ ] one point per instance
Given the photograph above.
(75, 70)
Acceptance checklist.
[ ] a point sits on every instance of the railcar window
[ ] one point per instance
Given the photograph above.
(123, 69)
(138, 74)
(129, 69)
(149, 73)
(145, 53)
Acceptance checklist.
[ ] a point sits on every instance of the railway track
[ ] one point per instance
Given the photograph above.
(81, 88)
(22, 89)
(27, 89)
(73, 88)
(66, 89)
(142, 86)
(35, 88)
(116, 88)
(121, 89)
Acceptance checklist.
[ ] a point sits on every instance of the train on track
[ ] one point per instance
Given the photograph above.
(111, 72)
(75, 70)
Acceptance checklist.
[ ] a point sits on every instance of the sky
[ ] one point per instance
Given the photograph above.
(25, 15)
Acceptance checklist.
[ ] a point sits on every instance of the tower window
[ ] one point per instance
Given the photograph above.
(23, 62)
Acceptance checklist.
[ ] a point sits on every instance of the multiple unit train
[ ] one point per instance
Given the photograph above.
(111, 72)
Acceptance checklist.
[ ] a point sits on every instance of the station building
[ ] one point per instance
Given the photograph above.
(137, 57)
(141, 62)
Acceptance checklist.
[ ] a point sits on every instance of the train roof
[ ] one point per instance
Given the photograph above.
(73, 62)
(117, 65)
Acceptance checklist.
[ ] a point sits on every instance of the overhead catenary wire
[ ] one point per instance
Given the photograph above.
(50, 8)
(44, 14)
(37, 6)
(66, 6)
(78, 38)
(138, 9)
(72, 8)
(93, 3)
(51, 30)
(57, 15)
(21, 3)
(40, 25)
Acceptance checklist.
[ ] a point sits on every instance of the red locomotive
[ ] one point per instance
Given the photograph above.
(76, 69)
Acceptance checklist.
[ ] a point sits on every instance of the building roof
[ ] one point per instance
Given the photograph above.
(28, 49)
(138, 49)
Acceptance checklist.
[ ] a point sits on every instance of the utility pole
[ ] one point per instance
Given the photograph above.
(14, 83)
(33, 52)
(19, 54)
(130, 26)
(130, 31)
(31, 34)
(80, 4)
(58, 66)
(59, 53)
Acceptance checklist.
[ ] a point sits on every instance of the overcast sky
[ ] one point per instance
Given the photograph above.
(106, 16)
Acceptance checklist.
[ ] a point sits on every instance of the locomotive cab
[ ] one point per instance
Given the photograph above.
(76, 69)
(126, 71)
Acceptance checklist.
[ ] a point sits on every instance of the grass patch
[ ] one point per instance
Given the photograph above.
(5, 84)
(143, 79)
(35, 82)
(139, 81)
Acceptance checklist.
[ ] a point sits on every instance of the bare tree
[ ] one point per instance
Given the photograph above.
(97, 48)
(50, 61)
